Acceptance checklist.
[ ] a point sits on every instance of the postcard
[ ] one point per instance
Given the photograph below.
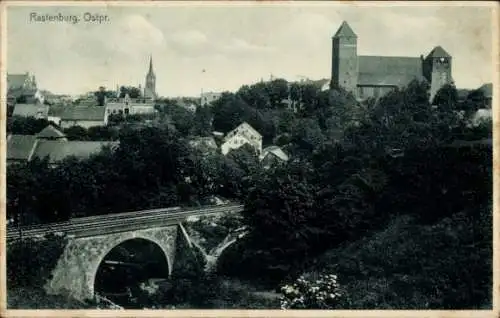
(255, 158)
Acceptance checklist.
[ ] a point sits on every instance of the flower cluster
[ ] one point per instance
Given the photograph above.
(320, 293)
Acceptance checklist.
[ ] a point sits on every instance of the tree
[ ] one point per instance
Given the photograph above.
(279, 206)
(202, 121)
(307, 135)
(133, 92)
(76, 133)
(26, 125)
(256, 96)
(101, 96)
(277, 91)
(245, 157)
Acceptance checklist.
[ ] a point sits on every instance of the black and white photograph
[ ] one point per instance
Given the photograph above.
(248, 155)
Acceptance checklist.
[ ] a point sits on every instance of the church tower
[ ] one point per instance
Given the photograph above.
(437, 70)
(345, 59)
(150, 87)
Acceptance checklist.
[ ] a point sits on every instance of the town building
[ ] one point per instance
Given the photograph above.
(38, 111)
(241, 135)
(83, 116)
(24, 89)
(52, 144)
(374, 76)
(130, 106)
(209, 97)
(272, 155)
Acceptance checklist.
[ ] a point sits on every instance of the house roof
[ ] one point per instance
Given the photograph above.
(487, 90)
(30, 110)
(50, 132)
(275, 150)
(17, 80)
(56, 111)
(20, 147)
(95, 113)
(438, 51)
(58, 150)
(243, 124)
(345, 30)
(388, 70)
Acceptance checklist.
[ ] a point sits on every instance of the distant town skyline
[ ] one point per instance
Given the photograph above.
(234, 44)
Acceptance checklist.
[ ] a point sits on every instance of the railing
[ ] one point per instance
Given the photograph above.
(108, 303)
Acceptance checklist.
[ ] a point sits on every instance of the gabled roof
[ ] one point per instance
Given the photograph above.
(50, 132)
(438, 51)
(59, 150)
(30, 110)
(20, 147)
(388, 70)
(276, 151)
(487, 90)
(345, 31)
(17, 80)
(243, 124)
(94, 113)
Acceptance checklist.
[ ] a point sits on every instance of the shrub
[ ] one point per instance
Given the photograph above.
(310, 293)
(30, 262)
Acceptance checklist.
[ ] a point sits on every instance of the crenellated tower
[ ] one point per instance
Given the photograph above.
(345, 59)
(437, 70)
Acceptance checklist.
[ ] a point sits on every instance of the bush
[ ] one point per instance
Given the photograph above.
(311, 292)
(446, 265)
(30, 262)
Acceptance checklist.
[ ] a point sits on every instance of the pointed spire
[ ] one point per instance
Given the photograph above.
(344, 31)
(151, 63)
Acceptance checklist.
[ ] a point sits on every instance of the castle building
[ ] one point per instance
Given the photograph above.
(150, 87)
(374, 76)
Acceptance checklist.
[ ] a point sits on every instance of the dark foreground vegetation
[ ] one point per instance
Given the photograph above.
(377, 193)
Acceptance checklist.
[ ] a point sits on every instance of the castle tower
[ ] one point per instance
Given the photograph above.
(345, 59)
(150, 87)
(438, 70)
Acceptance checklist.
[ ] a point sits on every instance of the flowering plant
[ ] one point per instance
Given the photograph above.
(320, 293)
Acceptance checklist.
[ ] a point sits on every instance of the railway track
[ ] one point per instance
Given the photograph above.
(120, 222)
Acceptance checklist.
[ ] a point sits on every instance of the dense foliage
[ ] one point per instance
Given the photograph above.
(30, 262)
(378, 193)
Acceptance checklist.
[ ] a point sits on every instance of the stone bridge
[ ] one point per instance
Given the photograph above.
(89, 242)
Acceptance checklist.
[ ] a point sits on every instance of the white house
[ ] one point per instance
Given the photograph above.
(130, 106)
(243, 134)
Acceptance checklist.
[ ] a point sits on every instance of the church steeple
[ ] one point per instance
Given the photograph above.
(151, 65)
(150, 87)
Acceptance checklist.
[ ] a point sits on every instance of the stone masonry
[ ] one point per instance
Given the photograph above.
(75, 271)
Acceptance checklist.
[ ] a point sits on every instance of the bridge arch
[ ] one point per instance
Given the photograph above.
(118, 241)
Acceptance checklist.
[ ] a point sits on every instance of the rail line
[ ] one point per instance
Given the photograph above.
(120, 222)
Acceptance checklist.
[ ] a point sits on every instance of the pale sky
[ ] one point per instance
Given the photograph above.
(235, 44)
